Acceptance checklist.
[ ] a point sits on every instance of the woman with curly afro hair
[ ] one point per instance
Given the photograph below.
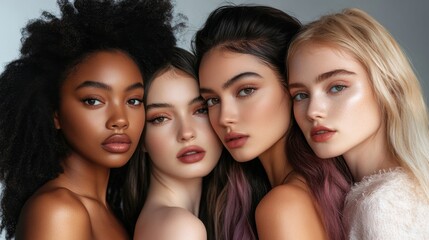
(72, 110)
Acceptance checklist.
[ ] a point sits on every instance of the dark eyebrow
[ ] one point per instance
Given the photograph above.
(100, 85)
(198, 99)
(94, 84)
(135, 86)
(231, 81)
(168, 105)
(324, 76)
(158, 105)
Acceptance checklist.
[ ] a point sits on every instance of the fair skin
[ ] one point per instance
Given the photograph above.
(250, 109)
(101, 116)
(183, 149)
(336, 108)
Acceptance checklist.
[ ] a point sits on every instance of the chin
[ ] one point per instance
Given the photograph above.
(239, 157)
(325, 154)
(118, 163)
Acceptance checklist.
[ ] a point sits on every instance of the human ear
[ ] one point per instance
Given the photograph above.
(57, 121)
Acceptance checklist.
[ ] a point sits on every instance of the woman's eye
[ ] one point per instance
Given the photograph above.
(300, 96)
(158, 120)
(135, 102)
(91, 101)
(246, 92)
(337, 88)
(202, 110)
(212, 101)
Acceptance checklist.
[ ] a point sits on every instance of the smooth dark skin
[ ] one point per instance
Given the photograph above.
(101, 97)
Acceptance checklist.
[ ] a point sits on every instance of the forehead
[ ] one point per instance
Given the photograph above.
(173, 85)
(103, 59)
(221, 64)
(102, 62)
(105, 65)
(312, 58)
(222, 54)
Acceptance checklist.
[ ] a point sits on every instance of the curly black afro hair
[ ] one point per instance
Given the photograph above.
(30, 148)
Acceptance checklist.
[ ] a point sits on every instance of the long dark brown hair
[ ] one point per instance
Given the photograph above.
(266, 33)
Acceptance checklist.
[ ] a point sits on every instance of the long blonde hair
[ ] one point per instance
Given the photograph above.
(392, 78)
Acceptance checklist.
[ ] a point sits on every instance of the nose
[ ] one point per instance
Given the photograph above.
(228, 114)
(186, 131)
(316, 109)
(118, 119)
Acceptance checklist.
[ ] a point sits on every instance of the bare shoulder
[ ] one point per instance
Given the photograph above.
(56, 213)
(168, 223)
(288, 199)
(288, 211)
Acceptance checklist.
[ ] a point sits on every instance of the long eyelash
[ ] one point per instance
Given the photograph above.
(203, 107)
(206, 102)
(138, 99)
(90, 98)
(85, 100)
(153, 119)
(246, 88)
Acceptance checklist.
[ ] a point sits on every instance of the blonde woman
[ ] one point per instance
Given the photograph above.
(356, 95)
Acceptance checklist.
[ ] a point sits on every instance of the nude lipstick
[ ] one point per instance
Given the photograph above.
(117, 143)
(191, 154)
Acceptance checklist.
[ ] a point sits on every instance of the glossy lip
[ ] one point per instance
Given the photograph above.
(117, 143)
(191, 154)
(235, 140)
(321, 133)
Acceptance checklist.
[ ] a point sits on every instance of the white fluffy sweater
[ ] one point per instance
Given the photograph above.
(387, 205)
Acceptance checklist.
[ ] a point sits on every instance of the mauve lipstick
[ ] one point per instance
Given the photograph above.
(235, 140)
(191, 154)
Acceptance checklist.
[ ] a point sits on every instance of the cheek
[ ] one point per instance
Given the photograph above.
(351, 106)
(82, 124)
(214, 118)
(137, 120)
(161, 143)
(357, 112)
(208, 139)
(157, 140)
(362, 110)
(271, 108)
(207, 133)
(299, 112)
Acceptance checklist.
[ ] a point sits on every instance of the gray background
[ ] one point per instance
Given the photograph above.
(406, 20)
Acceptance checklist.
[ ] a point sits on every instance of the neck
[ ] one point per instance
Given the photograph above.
(85, 178)
(175, 192)
(275, 163)
(366, 159)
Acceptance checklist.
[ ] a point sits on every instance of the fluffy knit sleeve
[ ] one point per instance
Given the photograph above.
(388, 205)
